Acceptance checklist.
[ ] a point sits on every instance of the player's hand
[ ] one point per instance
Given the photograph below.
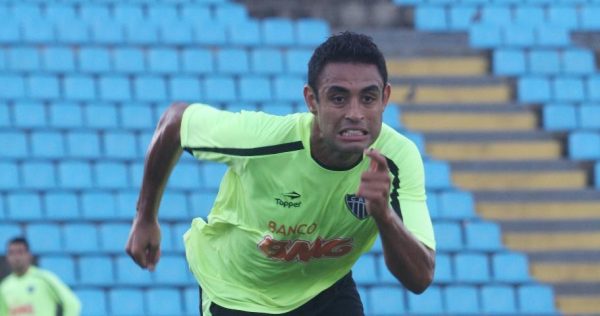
(375, 184)
(143, 245)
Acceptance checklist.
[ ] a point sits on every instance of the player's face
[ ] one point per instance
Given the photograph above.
(348, 112)
(19, 258)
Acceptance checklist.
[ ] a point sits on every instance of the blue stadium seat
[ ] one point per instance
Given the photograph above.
(533, 89)
(141, 33)
(163, 60)
(518, 35)
(38, 175)
(509, 62)
(578, 62)
(213, 173)
(119, 144)
(220, 89)
(61, 206)
(10, 175)
(461, 300)
(498, 299)
(510, 267)
(202, 203)
(197, 61)
(44, 238)
(94, 60)
(364, 270)
(14, 145)
(43, 87)
(13, 86)
(174, 206)
(83, 144)
(385, 276)
(156, 298)
(443, 268)
(166, 243)
(126, 202)
(391, 116)
(485, 36)
(496, 15)
(460, 17)
(172, 270)
(38, 32)
(543, 62)
(150, 88)
(289, 88)
(179, 229)
(127, 13)
(255, 89)
(24, 206)
(552, 36)
(47, 144)
(58, 59)
(431, 18)
(107, 33)
(437, 174)
(449, 236)
(137, 117)
(191, 298)
(208, 33)
(61, 265)
(111, 175)
(136, 170)
(426, 303)
(72, 31)
(8, 231)
(296, 61)
(311, 32)
(79, 88)
(93, 301)
(194, 12)
(232, 61)
(483, 236)
(590, 18)
(128, 60)
(126, 302)
(278, 108)
(387, 300)
(559, 116)
(26, 12)
(98, 270)
(114, 88)
(589, 116)
(24, 59)
(143, 140)
(74, 175)
(565, 16)
(230, 13)
(186, 176)
(162, 12)
(65, 115)
(597, 175)
(175, 33)
(5, 115)
(584, 145)
(94, 13)
(184, 88)
(113, 236)
(56, 12)
(245, 33)
(278, 32)
(10, 32)
(364, 297)
(129, 273)
(529, 15)
(592, 88)
(98, 205)
(569, 89)
(471, 268)
(73, 241)
(29, 114)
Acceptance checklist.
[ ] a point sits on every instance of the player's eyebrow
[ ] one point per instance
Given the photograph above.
(371, 88)
(337, 89)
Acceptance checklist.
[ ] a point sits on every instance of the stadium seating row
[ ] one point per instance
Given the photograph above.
(545, 89)
(269, 32)
(152, 88)
(530, 299)
(597, 175)
(568, 116)
(52, 59)
(584, 145)
(510, 62)
(542, 36)
(450, 16)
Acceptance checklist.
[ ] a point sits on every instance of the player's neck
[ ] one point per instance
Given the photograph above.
(331, 159)
(21, 272)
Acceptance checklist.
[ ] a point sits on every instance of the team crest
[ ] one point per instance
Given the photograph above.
(357, 206)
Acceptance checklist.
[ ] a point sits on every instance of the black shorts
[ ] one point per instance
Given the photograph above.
(341, 299)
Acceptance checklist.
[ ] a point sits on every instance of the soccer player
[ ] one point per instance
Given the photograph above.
(304, 196)
(31, 291)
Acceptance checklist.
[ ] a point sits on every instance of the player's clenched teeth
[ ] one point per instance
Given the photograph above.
(353, 132)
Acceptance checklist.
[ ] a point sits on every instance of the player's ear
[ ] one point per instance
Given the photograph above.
(387, 91)
(311, 99)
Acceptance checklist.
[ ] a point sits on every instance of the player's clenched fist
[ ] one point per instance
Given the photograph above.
(375, 184)
(143, 245)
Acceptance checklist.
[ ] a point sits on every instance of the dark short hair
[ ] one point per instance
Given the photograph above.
(345, 47)
(19, 240)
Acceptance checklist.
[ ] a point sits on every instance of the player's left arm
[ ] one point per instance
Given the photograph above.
(407, 258)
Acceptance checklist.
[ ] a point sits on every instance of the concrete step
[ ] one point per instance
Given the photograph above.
(566, 272)
(509, 180)
(550, 241)
(444, 94)
(438, 66)
(579, 304)
(517, 211)
(429, 121)
(513, 150)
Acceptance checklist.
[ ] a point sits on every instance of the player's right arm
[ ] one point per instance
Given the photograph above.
(3, 306)
(163, 152)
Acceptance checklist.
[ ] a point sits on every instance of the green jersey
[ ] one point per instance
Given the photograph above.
(283, 228)
(36, 293)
